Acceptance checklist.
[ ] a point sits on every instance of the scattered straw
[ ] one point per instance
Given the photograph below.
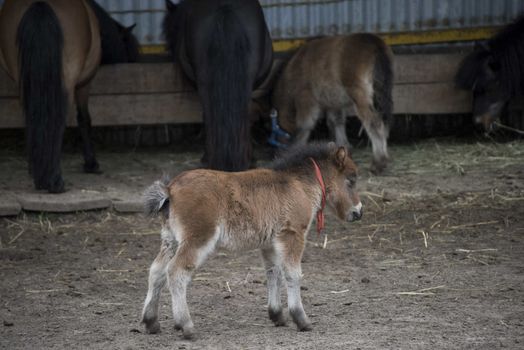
(502, 126)
(460, 250)
(228, 287)
(425, 236)
(44, 290)
(473, 224)
(325, 242)
(339, 291)
(424, 291)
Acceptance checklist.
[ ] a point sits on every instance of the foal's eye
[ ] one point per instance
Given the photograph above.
(351, 182)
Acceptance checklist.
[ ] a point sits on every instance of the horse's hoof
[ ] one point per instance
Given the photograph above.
(92, 168)
(56, 186)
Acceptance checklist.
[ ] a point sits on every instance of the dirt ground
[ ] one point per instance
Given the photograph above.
(436, 262)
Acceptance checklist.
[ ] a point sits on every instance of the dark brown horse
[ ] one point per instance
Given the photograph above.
(329, 76)
(52, 50)
(494, 72)
(224, 48)
(271, 209)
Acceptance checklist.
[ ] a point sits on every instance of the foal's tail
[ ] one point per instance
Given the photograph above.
(156, 197)
(228, 142)
(383, 83)
(40, 41)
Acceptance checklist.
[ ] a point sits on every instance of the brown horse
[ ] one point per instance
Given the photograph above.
(271, 209)
(51, 49)
(330, 75)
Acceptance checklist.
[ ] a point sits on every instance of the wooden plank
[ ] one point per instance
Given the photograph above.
(166, 108)
(108, 110)
(139, 78)
(435, 98)
(430, 68)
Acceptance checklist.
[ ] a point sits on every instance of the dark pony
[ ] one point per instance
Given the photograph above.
(224, 48)
(494, 71)
(119, 45)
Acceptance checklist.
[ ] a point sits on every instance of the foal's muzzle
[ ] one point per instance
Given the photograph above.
(356, 212)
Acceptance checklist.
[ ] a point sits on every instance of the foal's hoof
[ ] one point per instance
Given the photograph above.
(153, 328)
(378, 167)
(306, 327)
(188, 333)
(277, 317)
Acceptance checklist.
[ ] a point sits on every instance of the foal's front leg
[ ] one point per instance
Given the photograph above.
(274, 282)
(291, 244)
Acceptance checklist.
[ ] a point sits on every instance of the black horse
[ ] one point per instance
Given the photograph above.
(119, 45)
(494, 71)
(224, 48)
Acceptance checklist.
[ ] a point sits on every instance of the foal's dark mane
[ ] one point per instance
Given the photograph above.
(505, 55)
(297, 157)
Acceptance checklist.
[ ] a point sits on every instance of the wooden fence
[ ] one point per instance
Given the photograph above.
(157, 93)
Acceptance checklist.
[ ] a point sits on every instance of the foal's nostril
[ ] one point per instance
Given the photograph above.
(357, 215)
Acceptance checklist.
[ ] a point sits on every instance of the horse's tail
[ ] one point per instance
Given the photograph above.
(228, 143)
(40, 41)
(156, 197)
(383, 83)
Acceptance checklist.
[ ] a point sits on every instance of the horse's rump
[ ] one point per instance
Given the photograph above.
(35, 39)
(224, 48)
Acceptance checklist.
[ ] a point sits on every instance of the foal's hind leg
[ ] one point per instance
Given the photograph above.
(187, 259)
(336, 122)
(291, 246)
(157, 280)
(84, 124)
(307, 115)
(377, 132)
(274, 282)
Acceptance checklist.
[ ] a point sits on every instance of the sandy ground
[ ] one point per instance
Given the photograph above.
(436, 263)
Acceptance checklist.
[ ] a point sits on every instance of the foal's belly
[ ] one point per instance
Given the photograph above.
(244, 239)
(332, 96)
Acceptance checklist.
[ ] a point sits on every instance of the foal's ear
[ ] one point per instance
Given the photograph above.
(340, 156)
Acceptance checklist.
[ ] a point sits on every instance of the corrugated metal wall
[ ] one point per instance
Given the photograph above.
(291, 19)
(298, 19)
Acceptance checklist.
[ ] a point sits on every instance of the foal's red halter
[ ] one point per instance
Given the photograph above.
(320, 213)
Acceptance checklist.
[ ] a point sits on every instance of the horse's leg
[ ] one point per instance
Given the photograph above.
(180, 269)
(274, 282)
(336, 121)
(291, 245)
(157, 280)
(84, 124)
(307, 115)
(377, 132)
